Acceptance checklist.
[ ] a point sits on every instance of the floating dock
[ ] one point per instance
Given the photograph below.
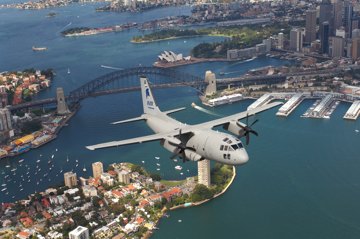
(263, 100)
(291, 105)
(354, 111)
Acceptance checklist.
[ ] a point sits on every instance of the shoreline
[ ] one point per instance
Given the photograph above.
(149, 233)
(167, 38)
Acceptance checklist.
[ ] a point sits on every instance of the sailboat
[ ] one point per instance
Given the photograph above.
(68, 71)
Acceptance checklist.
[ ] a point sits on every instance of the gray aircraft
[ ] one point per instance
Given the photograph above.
(192, 142)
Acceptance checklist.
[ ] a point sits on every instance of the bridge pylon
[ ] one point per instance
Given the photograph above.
(211, 80)
(62, 108)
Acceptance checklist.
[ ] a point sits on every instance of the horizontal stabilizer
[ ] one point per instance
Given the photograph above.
(174, 110)
(129, 120)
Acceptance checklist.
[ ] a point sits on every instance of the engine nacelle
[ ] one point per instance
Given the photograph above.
(191, 155)
(235, 129)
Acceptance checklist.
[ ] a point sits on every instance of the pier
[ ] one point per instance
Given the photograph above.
(322, 108)
(263, 100)
(354, 111)
(291, 105)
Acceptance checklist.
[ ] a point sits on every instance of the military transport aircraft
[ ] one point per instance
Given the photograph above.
(192, 142)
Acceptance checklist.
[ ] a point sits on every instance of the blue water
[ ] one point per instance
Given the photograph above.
(302, 179)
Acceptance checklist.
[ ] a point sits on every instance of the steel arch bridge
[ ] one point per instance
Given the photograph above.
(128, 80)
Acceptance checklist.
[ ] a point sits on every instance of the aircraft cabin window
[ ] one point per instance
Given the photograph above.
(229, 142)
(228, 156)
(224, 156)
(221, 147)
(240, 145)
(226, 139)
(226, 147)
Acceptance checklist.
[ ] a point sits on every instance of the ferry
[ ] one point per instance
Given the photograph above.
(178, 167)
(39, 48)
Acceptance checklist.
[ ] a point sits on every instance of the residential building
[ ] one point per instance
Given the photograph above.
(124, 177)
(70, 179)
(355, 48)
(337, 46)
(280, 43)
(79, 233)
(97, 169)
(204, 172)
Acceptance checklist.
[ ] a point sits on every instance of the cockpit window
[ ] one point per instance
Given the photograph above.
(237, 146)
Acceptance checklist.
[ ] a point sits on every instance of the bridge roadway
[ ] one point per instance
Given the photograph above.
(195, 82)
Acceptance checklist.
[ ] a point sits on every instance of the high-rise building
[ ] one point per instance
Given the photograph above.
(5, 120)
(348, 14)
(97, 169)
(79, 233)
(337, 46)
(338, 14)
(326, 15)
(355, 48)
(280, 43)
(204, 172)
(310, 28)
(355, 24)
(296, 39)
(123, 177)
(355, 33)
(324, 38)
(70, 179)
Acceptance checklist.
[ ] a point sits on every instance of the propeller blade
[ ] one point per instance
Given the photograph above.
(247, 139)
(254, 132)
(247, 119)
(255, 121)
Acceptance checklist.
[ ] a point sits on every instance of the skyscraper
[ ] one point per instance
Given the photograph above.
(326, 14)
(204, 172)
(280, 43)
(70, 179)
(355, 48)
(337, 46)
(310, 28)
(98, 169)
(348, 14)
(296, 39)
(324, 37)
(338, 14)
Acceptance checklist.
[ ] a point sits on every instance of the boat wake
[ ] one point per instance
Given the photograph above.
(204, 110)
(111, 67)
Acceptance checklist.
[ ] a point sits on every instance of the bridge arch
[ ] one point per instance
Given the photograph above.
(128, 80)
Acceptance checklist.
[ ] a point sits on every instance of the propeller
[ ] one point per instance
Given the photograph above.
(180, 150)
(247, 128)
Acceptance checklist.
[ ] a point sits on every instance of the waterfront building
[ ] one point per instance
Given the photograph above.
(70, 179)
(211, 80)
(326, 15)
(348, 14)
(123, 177)
(324, 37)
(97, 169)
(310, 27)
(321, 107)
(355, 48)
(204, 172)
(296, 39)
(79, 233)
(337, 46)
(280, 43)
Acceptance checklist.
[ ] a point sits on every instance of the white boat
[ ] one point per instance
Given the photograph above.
(179, 220)
(357, 131)
(68, 71)
(84, 169)
(178, 167)
(38, 161)
(7, 166)
(181, 173)
(52, 156)
(4, 184)
(158, 169)
(143, 161)
(77, 161)
(158, 164)
(21, 160)
(13, 170)
(21, 189)
(67, 159)
(175, 160)
(2, 190)
(76, 165)
(157, 157)
(56, 150)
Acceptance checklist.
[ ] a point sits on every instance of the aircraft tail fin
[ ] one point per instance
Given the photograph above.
(149, 103)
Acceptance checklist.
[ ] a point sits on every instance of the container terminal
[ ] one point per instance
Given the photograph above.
(354, 111)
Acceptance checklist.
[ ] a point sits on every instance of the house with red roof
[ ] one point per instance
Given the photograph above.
(23, 235)
(27, 221)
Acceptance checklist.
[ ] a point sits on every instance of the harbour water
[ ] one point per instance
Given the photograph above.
(302, 179)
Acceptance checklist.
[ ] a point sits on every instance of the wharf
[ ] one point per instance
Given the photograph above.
(291, 105)
(322, 108)
(263, 100)
(354, 111)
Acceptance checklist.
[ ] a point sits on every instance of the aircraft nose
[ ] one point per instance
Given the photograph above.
(243, 157)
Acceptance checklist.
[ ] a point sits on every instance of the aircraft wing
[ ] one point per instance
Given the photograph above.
(237, 117)
(154, 137)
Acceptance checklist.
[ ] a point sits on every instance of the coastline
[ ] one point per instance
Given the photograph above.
(149, 233)
(165, 39)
